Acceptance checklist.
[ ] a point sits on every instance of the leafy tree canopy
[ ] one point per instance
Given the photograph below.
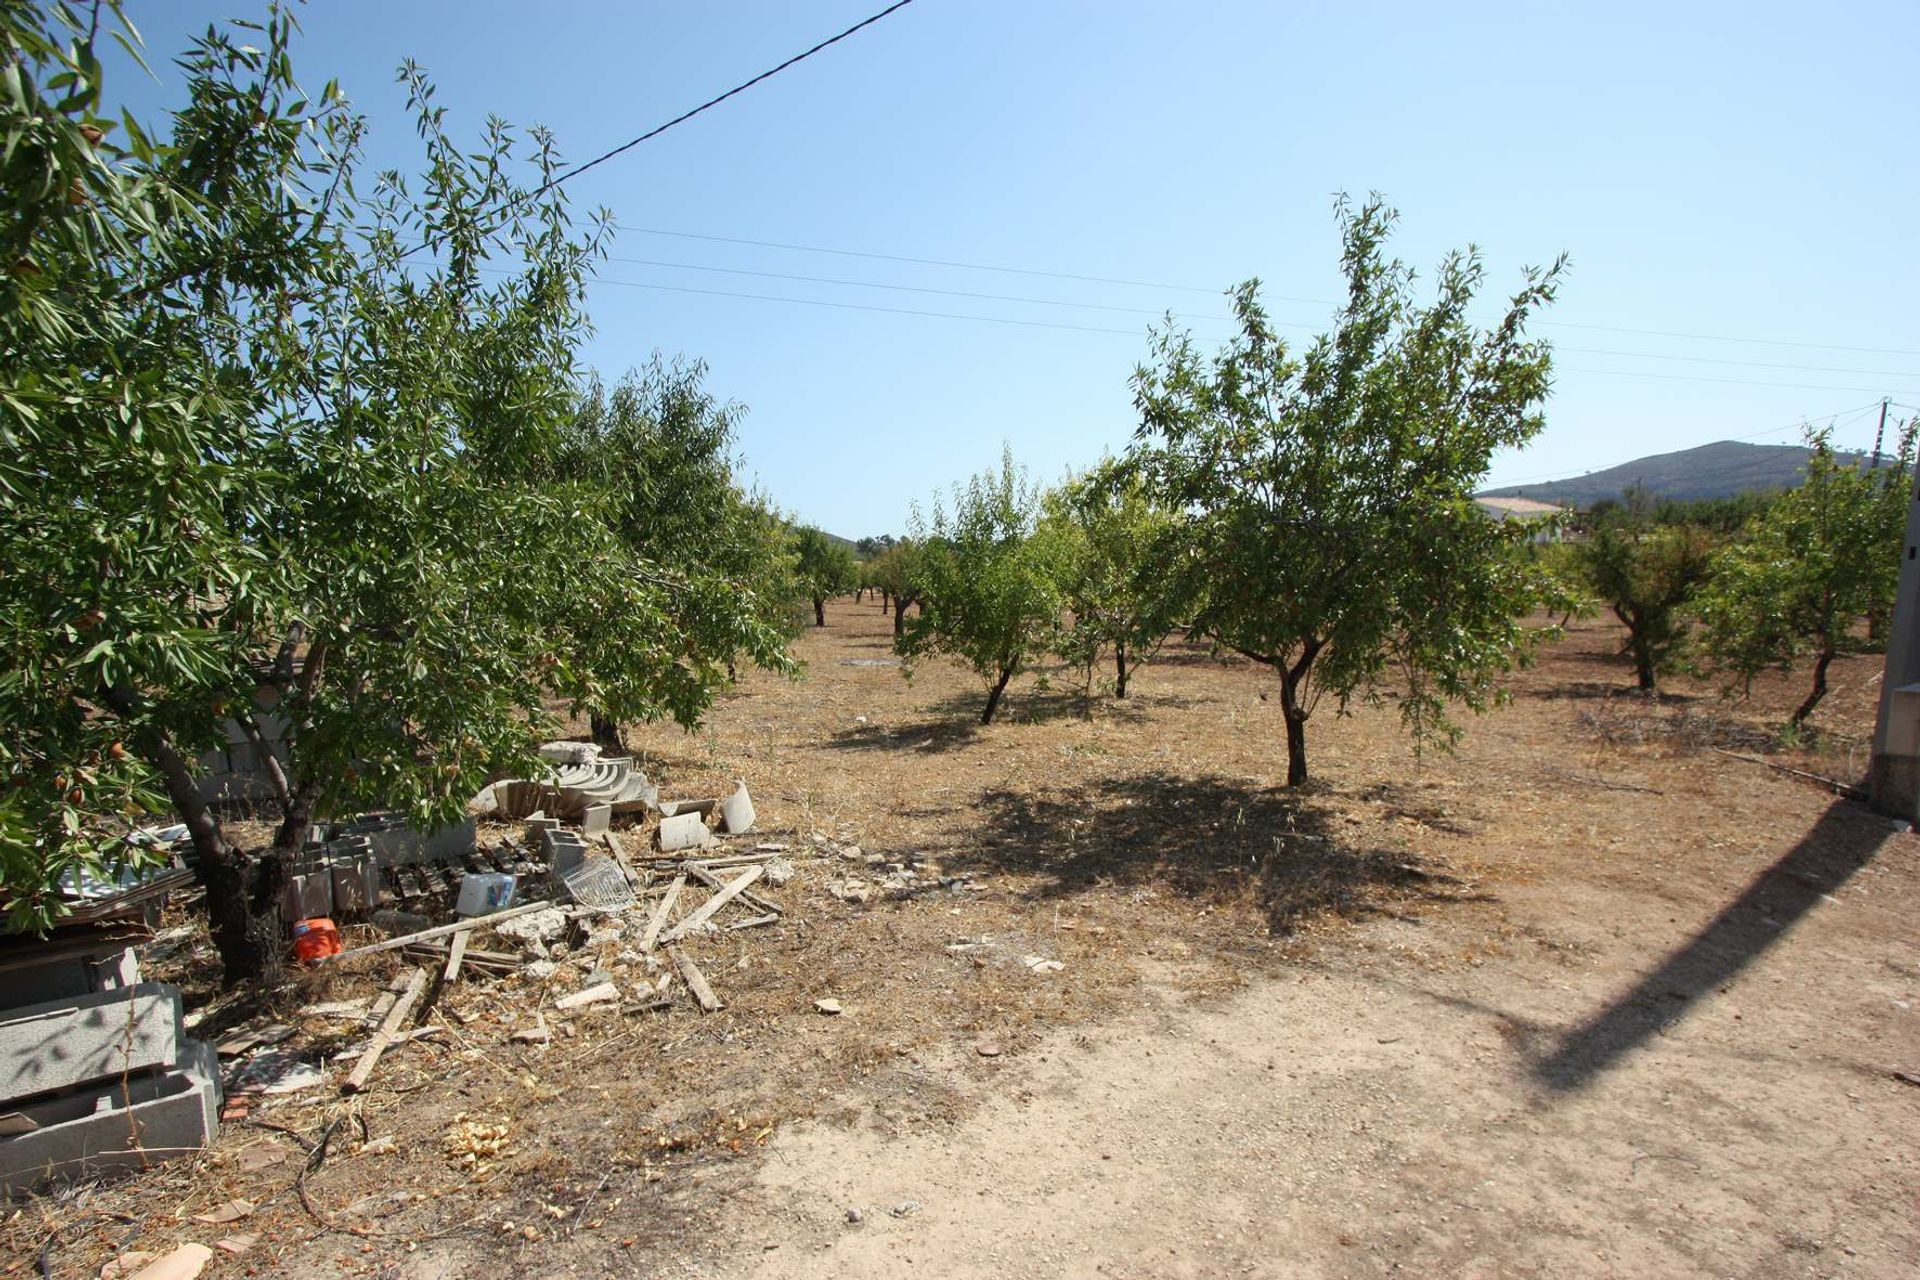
(1326, 493)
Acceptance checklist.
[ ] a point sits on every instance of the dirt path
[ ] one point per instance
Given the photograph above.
(1691, 1083)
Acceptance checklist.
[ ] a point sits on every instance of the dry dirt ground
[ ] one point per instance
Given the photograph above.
(1588, 997)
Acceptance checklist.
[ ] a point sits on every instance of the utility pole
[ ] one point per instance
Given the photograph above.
(1880, 431)
(1893, 778)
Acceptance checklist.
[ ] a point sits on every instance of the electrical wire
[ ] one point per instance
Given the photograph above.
(1140, 333)
(1150, 311)
(1188, 288)
(685, 116)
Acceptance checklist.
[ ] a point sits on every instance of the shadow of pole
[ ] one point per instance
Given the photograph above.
(1844, 839)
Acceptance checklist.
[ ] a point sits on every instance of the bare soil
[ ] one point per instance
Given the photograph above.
(1587, 997)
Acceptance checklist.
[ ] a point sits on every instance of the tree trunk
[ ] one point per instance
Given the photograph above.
(1120, 669)
(886, 603)
(243, 894)
(1643, 667)
(1805, 709)
(269, 763)
(607, 733)
(899, 619)
(993, 699)
(296, 818)
(1296, 718)
(819, 611)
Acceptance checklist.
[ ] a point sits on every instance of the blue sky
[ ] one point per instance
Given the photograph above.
(1722, 171)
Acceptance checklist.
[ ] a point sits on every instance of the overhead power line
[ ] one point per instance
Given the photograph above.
(1141, 333)
(710, 103)
(961, 265)
(1152, 311)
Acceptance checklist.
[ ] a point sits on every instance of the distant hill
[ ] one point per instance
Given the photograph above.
(1717, 470)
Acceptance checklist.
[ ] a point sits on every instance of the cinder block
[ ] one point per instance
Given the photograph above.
(683, 831)
(451, 844)
(307, 896)
(596, 819)
(69, 1042)
(148, 1118)
(356, 886)
(67, 976)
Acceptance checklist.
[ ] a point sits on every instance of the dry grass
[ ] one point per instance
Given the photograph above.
(1146, 844)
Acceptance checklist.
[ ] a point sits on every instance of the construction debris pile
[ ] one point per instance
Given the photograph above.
(562, 901)
(96, 1070)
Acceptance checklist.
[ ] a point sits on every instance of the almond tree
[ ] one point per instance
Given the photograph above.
(1326, 494)
(1813, 563)
(1120, 570)
(990, 579)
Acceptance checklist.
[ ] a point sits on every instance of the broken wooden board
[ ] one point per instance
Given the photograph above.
(661, 912)
(696, 981)
(706, 912)
(388, 1032)
(456, 952)
(701, 872)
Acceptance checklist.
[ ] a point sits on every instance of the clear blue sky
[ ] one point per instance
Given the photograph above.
(1740, 171)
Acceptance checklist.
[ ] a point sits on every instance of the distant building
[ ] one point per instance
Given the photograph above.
(1528, 510)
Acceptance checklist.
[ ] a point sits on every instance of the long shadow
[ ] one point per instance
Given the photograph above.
(1211, 838)
(954, 720)
(1844, 840)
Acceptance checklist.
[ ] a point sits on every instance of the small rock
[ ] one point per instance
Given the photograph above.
(384, 1145)
(540, 970)
(828, 1007)
(600, 993)
(855, 1216)
(231, 1211)
(905, 1209)
(538, 926)
(779, 871)
(988, 1048)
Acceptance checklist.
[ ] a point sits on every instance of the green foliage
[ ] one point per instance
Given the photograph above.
(277, 437)
(1326, 495)
(990, 580)
(146, 353)
(825, 567)
(1812, 564)
(653, 456)
(1119, 561)
(1648, 575)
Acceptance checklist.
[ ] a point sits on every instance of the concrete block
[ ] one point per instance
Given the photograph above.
(564, 849)
(68, 976)
(597, 818)
(64, 1043)
(683, 831)
(451, 844)
(356, 886)
(118, 1125)
(307, 896)
(737, 811)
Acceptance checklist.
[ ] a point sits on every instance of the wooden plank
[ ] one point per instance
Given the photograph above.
(395, 985)
(441, 931)
(700, 872)
(661, 912)
(455, 954)
(713, 904)
(696, 981)
(388, 1032)
(755, 923)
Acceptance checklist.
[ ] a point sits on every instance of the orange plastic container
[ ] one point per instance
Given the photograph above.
(315, 939)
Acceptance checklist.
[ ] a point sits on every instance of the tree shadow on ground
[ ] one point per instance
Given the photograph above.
(1211, 838)
(1845, 839)
(954, 721)
(1602, 690)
